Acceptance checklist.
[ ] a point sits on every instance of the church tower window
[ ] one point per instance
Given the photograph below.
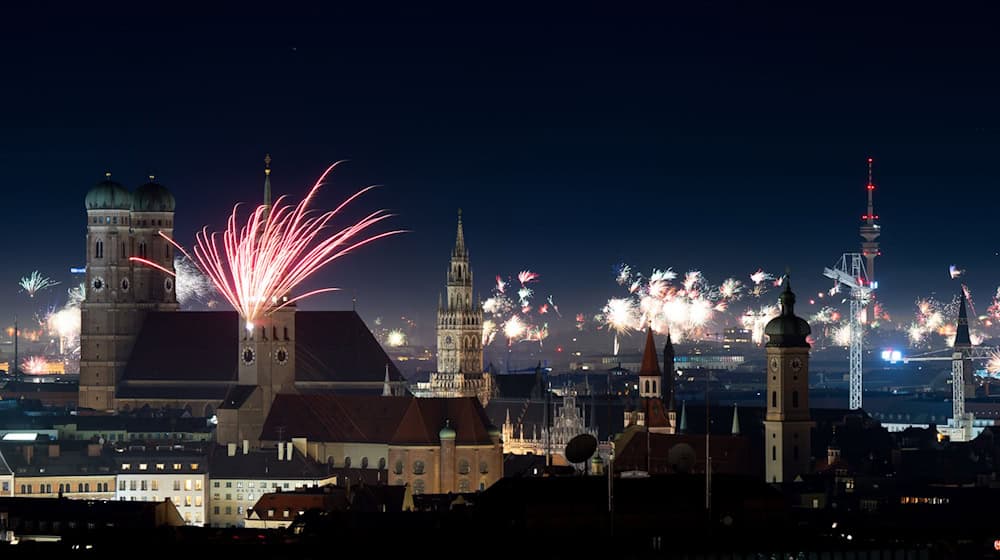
(99, 249)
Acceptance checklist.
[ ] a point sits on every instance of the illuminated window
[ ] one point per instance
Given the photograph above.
(418, 486)
(143, 466)
(161, 467)
(194, 466)
(197, 484)
(156, 485)
(463, 485)
(177, 466)
(286, 513)
(187, 500)
(126, 466)
(187, 484)
(197, 501)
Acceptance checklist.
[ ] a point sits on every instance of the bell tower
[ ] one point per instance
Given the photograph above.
(107, 328)
(787, 425)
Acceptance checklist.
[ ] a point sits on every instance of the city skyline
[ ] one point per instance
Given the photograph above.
(648, 145)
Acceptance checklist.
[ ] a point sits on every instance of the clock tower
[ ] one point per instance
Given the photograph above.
(460, 319)
(787, 426)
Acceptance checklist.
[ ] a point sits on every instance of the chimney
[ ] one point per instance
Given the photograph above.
(53, 450)
(231, 449)
(288, 451)
(93, 450)
(281, 451)
(246, 446)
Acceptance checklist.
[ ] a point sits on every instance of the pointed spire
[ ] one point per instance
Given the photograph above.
(650, 365)
(267, 180)
(507, 420)
(684, 418)
(962, 339)
(787, 298)
(870, 218)
(460, 238)
(736, 420)
(667, 381)
(386, 388)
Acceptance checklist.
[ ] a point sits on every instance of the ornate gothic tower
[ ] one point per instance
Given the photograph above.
(787, 427)
(119, 292)
(460, 319)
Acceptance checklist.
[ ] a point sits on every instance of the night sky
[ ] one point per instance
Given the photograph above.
(723, 140)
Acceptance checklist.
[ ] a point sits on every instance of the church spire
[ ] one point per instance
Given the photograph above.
(736, 420)
(650, 365)
(267, 187)
(684, 418)
(460, 238)
(386, 388)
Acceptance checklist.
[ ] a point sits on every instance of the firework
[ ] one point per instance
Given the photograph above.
(35, 282)
(955, 272)
(259, 263)
(192, 286)
(754, 320)
(36, 365)
(396, 338)
(514, 313)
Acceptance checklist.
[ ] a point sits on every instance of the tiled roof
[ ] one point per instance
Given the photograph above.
(334, 417)
(337, 346)
(424, 418)
(203, 346)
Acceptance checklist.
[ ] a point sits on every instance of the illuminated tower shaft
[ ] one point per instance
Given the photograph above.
(961, 374)
(870, 232)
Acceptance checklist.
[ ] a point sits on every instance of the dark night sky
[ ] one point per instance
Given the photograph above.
(724, 140)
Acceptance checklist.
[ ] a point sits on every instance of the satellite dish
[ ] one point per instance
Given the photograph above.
(581, 448)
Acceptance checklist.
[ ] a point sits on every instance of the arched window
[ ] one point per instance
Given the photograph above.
(418, 467)
(364, 462)
(418, 486)
(795, 399)
(774, 399)
(464, 467)
(330, 461)
(654, 386)
(142, 249)
(463, 485)
(484, 467)
(286, 333)
(123, 250)
(347, 462)
(79, 487)
(774, 452)
(398, 467)
(99, 249)
(381, 463)
(647, 386)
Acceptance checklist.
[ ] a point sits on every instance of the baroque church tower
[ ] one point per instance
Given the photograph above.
(787, 426)
(119, 292)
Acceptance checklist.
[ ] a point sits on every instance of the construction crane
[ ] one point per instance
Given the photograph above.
(850, 272)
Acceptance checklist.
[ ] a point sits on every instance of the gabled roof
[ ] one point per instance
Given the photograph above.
(273, 505)
(334, 417)
(186, 345)
(424, 418)
(650, 362)
(203, 347)
(337, 346)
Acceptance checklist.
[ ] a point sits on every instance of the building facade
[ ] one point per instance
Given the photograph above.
(787, 425)
(567, 422)
(180, 477)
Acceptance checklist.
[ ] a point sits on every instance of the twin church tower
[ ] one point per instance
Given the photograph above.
(120, 292)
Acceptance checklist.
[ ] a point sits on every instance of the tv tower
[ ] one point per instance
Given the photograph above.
(869, 247)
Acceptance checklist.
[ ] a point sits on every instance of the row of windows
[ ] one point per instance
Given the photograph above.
(140, 252)
(62, 488)
(127, 221)
(463, 467)
(250, 484)
(347, 462)
(159, 466)
(154, 485)
(774, 399)
(188, 501)
(263, 333)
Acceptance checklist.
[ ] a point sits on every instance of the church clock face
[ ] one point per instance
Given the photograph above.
(248, 355)
(281, 355)
(796, 364)
(168, 284)
(98, 284)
